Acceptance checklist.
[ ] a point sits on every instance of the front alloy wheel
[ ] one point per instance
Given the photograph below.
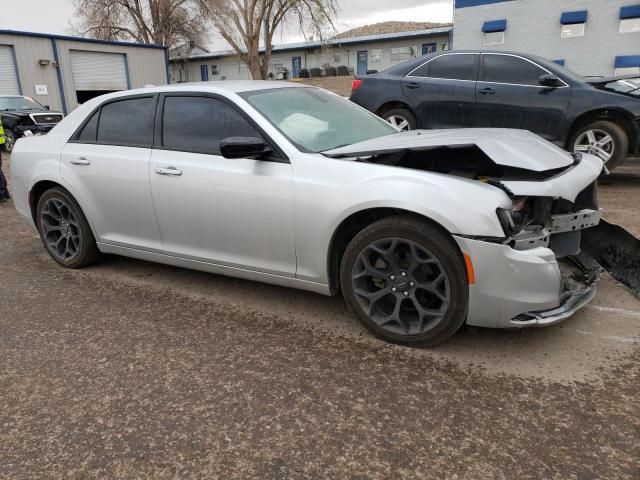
(604, 139)
(406, 281)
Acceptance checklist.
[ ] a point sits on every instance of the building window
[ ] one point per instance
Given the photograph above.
(494, 38)
(400, 54)
(214, 69)
(627, 65)
(337, 58)
(376, 56)
(630, 25)
(573, 24)
(574, 30)
(630, 19)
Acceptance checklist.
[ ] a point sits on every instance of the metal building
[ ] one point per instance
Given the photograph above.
(358, 54)
(63, 72)
(590, 37)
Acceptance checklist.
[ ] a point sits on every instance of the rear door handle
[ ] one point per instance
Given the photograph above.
(487, 91)
(80, 161)
(413, 85)
(169, 171)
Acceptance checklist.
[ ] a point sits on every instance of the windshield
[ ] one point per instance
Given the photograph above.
(629, 86)
(315, 120)
(19, 103)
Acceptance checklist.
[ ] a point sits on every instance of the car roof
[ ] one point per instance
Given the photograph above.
(232, 86)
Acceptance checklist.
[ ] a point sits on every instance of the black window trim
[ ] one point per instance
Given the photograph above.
(98, 109)
(408, 75)
(481, 72)
(278, 157)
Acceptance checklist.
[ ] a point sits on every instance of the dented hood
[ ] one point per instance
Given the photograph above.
(507, 147)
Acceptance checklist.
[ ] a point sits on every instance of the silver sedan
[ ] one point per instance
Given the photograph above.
(421, 231)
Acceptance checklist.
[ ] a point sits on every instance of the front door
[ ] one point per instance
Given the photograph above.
(362, 64)
(296, 66)
(428, 48)
(230, 212)
(204, 73)
(509, 95)
(442, 92)
(108, 167)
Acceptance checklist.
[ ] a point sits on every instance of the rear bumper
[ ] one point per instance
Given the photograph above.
(521, 288)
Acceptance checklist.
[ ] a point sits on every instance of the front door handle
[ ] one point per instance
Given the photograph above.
(80, 161)
(487, 91)
(169, 171)
(413, 85)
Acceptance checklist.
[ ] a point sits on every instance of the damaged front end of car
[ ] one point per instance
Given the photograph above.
(546, 266)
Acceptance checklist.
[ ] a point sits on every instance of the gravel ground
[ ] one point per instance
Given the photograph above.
(135, 370)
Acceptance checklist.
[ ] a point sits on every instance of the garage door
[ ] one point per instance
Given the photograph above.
(8, 75)
(99, 71)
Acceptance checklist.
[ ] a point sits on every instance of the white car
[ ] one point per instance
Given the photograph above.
(421, 231)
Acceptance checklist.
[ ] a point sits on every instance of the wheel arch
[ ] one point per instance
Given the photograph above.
(391, 104)
(358, 221)
(612, 114)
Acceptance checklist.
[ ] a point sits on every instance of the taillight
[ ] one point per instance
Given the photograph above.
(356, 84)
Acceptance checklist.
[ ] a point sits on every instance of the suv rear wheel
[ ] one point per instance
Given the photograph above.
(406, 281)
(605, 139)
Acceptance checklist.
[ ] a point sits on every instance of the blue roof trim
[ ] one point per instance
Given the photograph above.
(626, 61)
(79, 39)
(630, 11)
(569, 18)
(475, 3)
(559, 62)
(494, 26)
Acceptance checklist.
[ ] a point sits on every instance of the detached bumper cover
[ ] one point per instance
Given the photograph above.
(521, 288)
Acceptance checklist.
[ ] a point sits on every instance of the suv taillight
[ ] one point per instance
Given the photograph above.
(356, 84)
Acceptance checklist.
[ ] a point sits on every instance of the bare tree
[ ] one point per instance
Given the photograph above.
(245, 23)
(163, 22)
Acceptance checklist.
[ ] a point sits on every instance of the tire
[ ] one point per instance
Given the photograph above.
(57, 215)
(617, 148)
(373, 299)
(397, 117)
(10, 140)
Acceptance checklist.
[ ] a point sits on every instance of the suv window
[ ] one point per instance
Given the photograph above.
(453, 67)
(127, 122)
(509, 69)
(198, 124)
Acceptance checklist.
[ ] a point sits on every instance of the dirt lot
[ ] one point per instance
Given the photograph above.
(339, 85)
(135, 370)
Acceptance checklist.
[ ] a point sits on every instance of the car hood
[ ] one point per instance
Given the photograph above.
(507, 147)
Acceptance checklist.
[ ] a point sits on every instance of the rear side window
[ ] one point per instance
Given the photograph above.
(508, 69)
(452, 67)
(198, 124)
(127, 122)
(90, 130)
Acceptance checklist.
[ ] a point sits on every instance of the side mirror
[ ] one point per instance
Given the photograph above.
(550, 80)
(243, 147)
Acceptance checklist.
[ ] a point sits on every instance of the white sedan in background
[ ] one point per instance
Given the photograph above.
(421, 231)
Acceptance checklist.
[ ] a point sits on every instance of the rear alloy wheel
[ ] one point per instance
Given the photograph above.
(401, 118)
(604, 139)
(406, 281)
(64, 230)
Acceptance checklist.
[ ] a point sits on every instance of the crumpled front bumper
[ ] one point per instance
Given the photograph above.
(520, 288)
(35, 129)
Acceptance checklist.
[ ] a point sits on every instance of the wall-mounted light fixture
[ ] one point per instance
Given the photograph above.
(44, 62)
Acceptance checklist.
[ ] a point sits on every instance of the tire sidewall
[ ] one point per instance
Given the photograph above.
(87, 251)
(442, 246)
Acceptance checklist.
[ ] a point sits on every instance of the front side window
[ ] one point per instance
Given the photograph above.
(572, 30)
(452, 67)
(494, 38)
(509, 69)
(315, 120)
(199, 124)
(127, 122)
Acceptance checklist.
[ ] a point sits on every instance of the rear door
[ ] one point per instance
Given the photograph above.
(442, 91)
(107, 166)
(509, 95)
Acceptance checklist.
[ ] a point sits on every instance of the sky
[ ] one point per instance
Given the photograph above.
(54, 16)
